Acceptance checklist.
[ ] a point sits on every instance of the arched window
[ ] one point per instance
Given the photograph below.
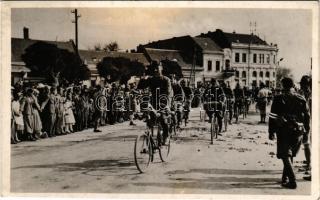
(254, 74)
(268, 74)
(274, 74)
(244, 74)
(227, 64)
(261, 74)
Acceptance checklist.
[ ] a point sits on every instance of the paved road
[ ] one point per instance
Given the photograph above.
(239, 162)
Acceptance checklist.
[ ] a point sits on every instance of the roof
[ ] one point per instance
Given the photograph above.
(19, 68)
(206, 44)
(92, 56)
(18, 46)
(224, 40)
(163, 54)
(245, 38)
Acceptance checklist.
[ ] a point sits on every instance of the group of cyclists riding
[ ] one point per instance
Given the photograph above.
(169, 102)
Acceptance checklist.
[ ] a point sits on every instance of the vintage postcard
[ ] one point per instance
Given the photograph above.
(160, 99)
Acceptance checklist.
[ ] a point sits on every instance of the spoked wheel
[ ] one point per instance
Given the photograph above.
(142, 152)
(163, 149)
(226, 119)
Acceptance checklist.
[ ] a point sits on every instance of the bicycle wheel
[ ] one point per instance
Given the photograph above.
(164, 150)
(226, 119)
(216, 127)
(212, 131)
(142, 152)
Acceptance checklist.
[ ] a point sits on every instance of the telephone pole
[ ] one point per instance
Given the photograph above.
(75, 21)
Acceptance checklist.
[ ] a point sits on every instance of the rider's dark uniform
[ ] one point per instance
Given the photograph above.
(214, 98)
(288, 109)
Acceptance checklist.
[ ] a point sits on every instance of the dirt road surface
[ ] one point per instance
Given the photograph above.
(242, 161)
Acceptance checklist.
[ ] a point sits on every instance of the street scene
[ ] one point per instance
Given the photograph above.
(176, 104)
(88, 162)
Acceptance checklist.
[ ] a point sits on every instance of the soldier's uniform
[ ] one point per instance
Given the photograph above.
(288, 117)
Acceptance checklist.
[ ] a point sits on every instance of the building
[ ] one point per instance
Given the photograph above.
(201, 59)
(19, 70)
(253, 59)
(91, 58)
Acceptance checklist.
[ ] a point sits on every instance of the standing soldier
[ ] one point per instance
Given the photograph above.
(305, 91)
(289, 119)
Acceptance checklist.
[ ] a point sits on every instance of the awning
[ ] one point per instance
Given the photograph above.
(17, 68)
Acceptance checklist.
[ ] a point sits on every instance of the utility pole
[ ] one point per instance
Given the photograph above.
(192, 72)
(75, 21)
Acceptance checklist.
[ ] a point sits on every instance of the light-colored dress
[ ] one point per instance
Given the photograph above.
(17, 116)
(69, 117)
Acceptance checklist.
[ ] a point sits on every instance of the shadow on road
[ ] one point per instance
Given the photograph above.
(107, 167)
(218, 183)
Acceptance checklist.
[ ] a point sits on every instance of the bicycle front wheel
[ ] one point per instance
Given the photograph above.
(142, 152)
(164, 150)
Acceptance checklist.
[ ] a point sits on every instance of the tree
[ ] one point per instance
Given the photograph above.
(49, 61)
(112, 46)
(120, 69)
(282, 72)
(97, 47)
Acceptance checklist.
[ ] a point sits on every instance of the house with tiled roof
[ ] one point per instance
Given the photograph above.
(92, 57)
(195, 55)
(254, 60)
(19, 70)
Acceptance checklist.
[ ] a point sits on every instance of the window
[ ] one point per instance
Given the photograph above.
(274, 74)
(237, 58)
(209, 65)
(268, 74)
(227, 64)
(260, 58)
(244, 74)
(268, 83)
(254, 74)
(244, 57)
(237, 73)
(262, 55)
(217, 65)
(254, 58)
(261, 74)
(254, 83)
(268, 58)
(274, 59)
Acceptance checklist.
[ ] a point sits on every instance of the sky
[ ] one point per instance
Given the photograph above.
(290, 29)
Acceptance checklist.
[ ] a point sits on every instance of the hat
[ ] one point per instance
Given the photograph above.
(40, 85)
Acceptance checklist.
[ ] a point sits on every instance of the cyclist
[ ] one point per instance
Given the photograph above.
(214, 102)
(230, 99)
(161, 95)
(177, 101)
(188, 98)
(239, 96)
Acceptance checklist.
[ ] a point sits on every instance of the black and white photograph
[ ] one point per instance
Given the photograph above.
(192, 98)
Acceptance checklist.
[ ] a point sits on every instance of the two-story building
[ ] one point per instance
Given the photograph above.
(253, 59)
(201, 59)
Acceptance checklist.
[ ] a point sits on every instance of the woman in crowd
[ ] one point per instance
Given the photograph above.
(17, 125)
(69, 117)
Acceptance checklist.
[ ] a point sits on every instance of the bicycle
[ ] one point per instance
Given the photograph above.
(147, 144)
(214, 112)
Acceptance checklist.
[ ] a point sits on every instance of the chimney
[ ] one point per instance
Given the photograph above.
(25, 33)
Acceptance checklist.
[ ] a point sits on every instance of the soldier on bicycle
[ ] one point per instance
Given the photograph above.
(161, 95)
(187, 100)
(230, 99)
(214, 102)
(239, 96)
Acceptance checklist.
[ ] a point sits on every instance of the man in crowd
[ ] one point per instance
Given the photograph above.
(305, 91)
(289, 120)
(263, 95)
